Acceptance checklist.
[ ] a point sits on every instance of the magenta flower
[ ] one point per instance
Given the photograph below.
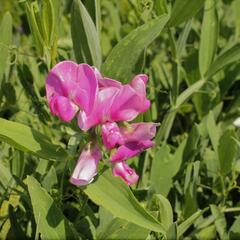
(80, 90)
(128, 142)
(71, 88)
(87, 165)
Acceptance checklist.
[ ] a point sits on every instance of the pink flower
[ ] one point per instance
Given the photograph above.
(79, 89)
(128, 142)
(73, 88)
(121, 169)
(87, 165)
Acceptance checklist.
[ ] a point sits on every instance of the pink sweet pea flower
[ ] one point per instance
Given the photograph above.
(121, 169)
(87, 165)
(71, 88)
(128, 142)
(111, 135)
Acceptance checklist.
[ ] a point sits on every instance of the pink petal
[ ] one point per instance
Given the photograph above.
(131, 100)
(63, 108)
(61, 74)
(121, 169)
(88, 82)
(76, 82)
(101, 111)
(139, 131)
(87, 166)
(129, 150)
(111, 135)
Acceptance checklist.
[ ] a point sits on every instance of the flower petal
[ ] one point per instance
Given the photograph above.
(130, 101)
(139, 131)
(63, 108)
(87, 166)
(101, 111)
(121, 169)
(87, 81)
(76, 82)
(111, 135)
(129, 150)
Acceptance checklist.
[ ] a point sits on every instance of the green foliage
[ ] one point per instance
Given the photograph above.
(114, 195)
(189, 181)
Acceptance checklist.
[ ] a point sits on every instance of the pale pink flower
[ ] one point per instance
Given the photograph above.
(73, 88)
(121, 169)
(87, 165)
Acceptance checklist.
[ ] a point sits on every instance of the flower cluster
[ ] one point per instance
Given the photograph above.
(79, 90)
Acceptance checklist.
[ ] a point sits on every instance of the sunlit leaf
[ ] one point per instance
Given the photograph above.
(120, 64)
(29, 140)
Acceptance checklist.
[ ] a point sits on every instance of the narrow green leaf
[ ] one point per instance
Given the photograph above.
(120, 64)
(165, 127)
(29, 140)
(35, 27)
(186, 94)
(209, 36)
(227, 150)
(50, 220)
(229, 56)
(5, 42)
(181, 43)
(161, 204)
(85, 38)
(172, 232)
(113, 194)
(48, 21)
(213, 131)
(183, 10)
(183, 227)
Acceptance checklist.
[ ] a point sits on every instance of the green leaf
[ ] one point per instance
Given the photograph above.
(161, 204)
(29, 140)
(172, 232)
(181, 43)
(229, 56)
(50, 179)
(120, 64)
(190, 186)
(219, 221)
(183, 10)
(48, 21)
(50, 220)
(213, 131)
(164, 167)
(209, 36)
(85, 38)
(227, 150)
(183, 227)
(6, 178)
(121, 229)
(114, 195)
(186, 94)
(5, 42)
(234, 232)
(32, 12)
